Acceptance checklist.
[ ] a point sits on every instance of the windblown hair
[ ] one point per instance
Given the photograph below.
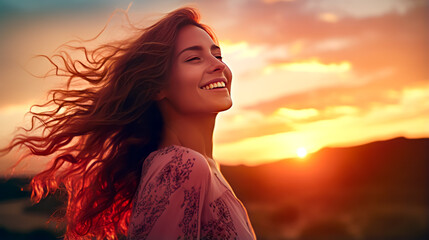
(98, 136)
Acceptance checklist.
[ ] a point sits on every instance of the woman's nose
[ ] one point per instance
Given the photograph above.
(216, 65)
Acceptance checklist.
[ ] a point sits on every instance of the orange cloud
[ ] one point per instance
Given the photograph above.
(313, 65)
(275, 1)
(249, 124)
(297, 114)
(328, 17)
(405, 114)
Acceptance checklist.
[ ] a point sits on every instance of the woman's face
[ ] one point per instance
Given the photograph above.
(200, 82)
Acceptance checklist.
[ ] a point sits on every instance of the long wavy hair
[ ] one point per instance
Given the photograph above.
(99, 135)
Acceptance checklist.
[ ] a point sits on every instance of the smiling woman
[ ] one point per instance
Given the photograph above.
(200, 82)
(134, 149)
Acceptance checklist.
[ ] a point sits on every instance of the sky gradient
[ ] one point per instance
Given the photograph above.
(306, 73)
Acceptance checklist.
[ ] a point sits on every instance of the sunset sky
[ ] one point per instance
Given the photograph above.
(306, 73)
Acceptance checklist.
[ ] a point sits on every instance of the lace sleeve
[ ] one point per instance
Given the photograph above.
(168, 204)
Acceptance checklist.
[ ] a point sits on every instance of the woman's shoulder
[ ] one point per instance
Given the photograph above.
(178, 153)
(177, 159)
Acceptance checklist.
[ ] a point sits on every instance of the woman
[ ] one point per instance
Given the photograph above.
(134, 149)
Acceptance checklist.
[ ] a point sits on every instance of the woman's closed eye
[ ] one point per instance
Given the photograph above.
(192, 59)
(198, 58)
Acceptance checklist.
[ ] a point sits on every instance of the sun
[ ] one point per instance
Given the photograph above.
(301, 152)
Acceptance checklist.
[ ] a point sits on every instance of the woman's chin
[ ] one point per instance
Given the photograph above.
(225, 106)
(218, 107)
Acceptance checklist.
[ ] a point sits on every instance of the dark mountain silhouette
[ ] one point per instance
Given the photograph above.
(395, 168)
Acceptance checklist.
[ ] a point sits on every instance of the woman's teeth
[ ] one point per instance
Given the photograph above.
(214, 85)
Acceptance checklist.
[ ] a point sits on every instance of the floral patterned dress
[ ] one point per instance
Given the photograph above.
(183, 195)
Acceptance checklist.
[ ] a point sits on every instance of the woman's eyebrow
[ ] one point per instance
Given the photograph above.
(198, 48)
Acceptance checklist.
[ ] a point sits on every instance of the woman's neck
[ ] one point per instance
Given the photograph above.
(191, 131)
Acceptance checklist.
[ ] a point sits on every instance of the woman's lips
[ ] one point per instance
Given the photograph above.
(214, 85)
(215, 82)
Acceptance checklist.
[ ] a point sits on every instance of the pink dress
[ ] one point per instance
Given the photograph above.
(183, 195)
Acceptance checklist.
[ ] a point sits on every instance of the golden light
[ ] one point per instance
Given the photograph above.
(301, 152)
(311, 65)
(297, 114)
(328, 17)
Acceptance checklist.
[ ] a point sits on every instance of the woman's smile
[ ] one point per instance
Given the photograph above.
(218, 83)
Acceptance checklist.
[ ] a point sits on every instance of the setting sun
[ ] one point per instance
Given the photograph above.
(301, 152)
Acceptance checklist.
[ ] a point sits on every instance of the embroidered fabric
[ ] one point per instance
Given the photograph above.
(182, 196)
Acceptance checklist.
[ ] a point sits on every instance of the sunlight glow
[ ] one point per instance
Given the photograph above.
(328, 17)
(311, 66)
(297, 114)
(301, 152)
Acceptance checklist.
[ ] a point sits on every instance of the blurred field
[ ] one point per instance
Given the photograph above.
(373, 191)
